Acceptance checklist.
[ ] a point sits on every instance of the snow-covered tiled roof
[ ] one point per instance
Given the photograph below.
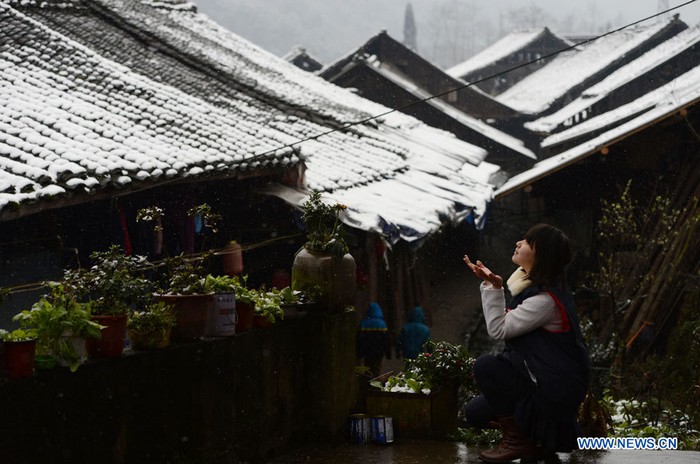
(685, 88)
(652, 108)
(502, 48)
(655, 57)
(197, 35)
(498, 137)
(440, 186)
(118, 120)
(538, 91)
(72, 122)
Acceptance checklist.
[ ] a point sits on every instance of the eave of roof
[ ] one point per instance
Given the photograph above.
(541, 89)
(589, 147)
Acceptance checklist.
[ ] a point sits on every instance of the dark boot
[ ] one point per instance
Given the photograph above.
(513, 446)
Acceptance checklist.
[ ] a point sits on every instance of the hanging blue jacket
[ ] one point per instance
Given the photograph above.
(373, 335)
(413, 334)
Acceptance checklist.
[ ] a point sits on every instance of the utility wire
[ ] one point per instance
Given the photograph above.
(469, 84)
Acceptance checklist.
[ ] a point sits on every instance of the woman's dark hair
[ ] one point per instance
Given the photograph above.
(552, 255)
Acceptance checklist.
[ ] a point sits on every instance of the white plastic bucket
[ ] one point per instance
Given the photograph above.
(223, 316)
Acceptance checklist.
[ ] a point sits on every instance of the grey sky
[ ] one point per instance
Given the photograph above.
(329, 29)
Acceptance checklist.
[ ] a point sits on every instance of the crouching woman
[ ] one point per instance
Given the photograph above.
(532, 390)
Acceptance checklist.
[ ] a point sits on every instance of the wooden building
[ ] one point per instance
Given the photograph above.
(385, 71)
(526, 50)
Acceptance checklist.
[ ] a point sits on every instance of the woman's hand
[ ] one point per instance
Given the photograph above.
(484, 273)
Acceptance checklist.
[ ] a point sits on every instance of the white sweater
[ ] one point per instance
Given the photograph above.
(537, 311)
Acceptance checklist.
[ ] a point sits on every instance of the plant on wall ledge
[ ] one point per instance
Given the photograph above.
(61, 325)
(150, 326)
(324, 231)
(324, 262)
(268, 305)
(113, 284)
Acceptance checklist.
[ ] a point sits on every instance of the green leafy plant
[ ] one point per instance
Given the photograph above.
(54, 319)
(292, 297)
(243, 293)
(441, 363)
(114, 283)
(324, 231)
(220, 284)
(153, 317)
(17, 335)
(268, 304)
(633, 418)
(186, 276)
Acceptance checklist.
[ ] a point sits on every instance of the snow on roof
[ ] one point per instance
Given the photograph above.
(538, 91)
(645, 63)
(268, 74)
(104, 125)
(441, 185)
(499, 137)
(679, 91)
(502, 48)
(74, 122)
(198, 36)
(655, 106)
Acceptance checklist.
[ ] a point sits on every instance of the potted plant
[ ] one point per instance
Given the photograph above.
(422, 399)
(296, 303)
(267, 308)
(113, 284)
(245, 303)
(324, 260)
(61, 324)
(20, 346)
(184, 288)
(150, 328)
(186, 293)
(223, 316)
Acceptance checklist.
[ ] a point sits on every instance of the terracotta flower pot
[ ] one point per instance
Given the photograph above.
(261, 321)
(111, 342)
(191, 315)
(19, 358)
(245, 313)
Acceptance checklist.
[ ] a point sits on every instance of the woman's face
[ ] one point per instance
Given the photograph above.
(524, 256)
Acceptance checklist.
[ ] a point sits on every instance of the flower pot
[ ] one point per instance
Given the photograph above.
(261, 321)
(223, 317)
(78, 347)
(191, 315)
(149, 340)
(111, 342)
(245, 313)
(334, 275)
(19, 358)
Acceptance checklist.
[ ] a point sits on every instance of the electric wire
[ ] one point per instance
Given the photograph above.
(468, 84)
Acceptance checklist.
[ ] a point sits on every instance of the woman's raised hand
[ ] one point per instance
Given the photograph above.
(483, 272)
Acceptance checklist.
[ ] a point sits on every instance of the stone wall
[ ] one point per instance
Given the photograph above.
(243, 398)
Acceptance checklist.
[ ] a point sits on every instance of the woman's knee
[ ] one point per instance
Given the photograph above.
(478, 413)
